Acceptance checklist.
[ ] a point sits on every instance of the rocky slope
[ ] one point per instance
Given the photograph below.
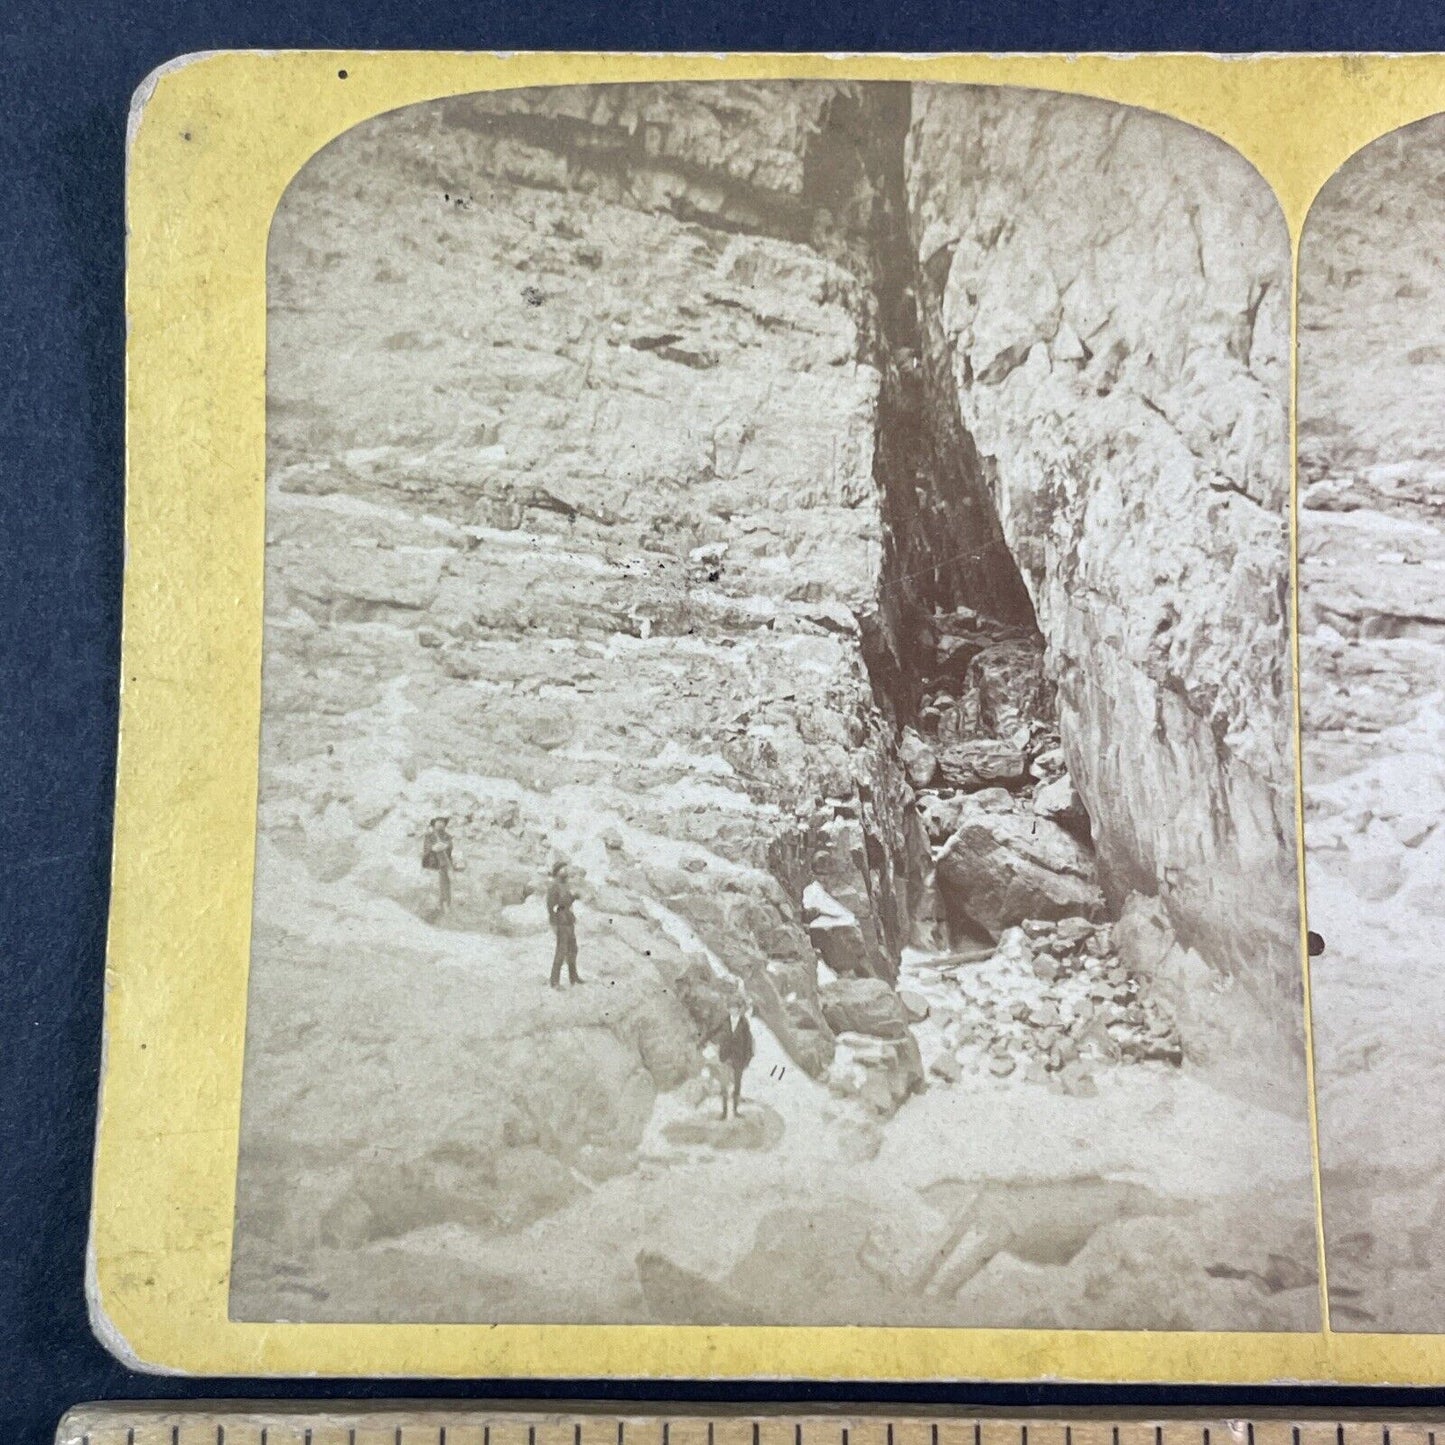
(616, 512)
(1372, 625)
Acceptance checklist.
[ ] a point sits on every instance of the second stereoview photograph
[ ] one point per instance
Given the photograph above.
(778, 771)
(1372, 688)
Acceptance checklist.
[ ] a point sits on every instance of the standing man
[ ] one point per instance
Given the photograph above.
(735, 1053)
(560, 900)
(436, 856)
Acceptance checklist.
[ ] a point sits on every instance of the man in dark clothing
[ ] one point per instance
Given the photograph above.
(436, 857)
(735, 1053)
(560, 899)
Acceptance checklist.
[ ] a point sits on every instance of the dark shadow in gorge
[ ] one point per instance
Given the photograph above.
(952, 646)
(943, 548)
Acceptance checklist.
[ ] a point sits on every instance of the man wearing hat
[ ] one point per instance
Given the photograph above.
(560, 899)
(436, 857)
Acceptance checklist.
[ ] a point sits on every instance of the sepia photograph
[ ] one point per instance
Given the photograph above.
(778, 774)
(1372, 686)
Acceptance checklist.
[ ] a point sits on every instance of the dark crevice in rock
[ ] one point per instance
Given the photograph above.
(875, 835)
(943, 549)
(957, 661)
(953, 648)
(965, 757)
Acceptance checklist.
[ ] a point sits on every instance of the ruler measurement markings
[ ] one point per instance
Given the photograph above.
(457, 1425)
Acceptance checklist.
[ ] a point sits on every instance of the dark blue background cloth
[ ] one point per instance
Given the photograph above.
(66, 77)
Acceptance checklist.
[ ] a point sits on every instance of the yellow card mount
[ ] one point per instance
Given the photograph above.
(743, 679)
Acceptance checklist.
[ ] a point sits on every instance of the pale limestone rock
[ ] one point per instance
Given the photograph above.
(946, 1067)
(983, 763)
(1060, 802)
(1002, 867)
(1372, 676)
(1114, 316)
(841, 946)
(711, 749)
(919, 760)
(915, 1004)
(863, 1006)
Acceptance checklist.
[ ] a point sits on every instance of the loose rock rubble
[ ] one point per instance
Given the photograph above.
(1038, 991)
(1052, 1001)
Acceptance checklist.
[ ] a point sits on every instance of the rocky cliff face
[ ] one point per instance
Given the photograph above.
(1104, 301)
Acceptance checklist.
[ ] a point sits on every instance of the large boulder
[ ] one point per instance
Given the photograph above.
(919, 759)
(863, 1006)
(849, 929)
(835, 932)
(881, 1073)
(841, 945)
(1002, 867)
(984, 763)
(1059, 801)
(1005, 687)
